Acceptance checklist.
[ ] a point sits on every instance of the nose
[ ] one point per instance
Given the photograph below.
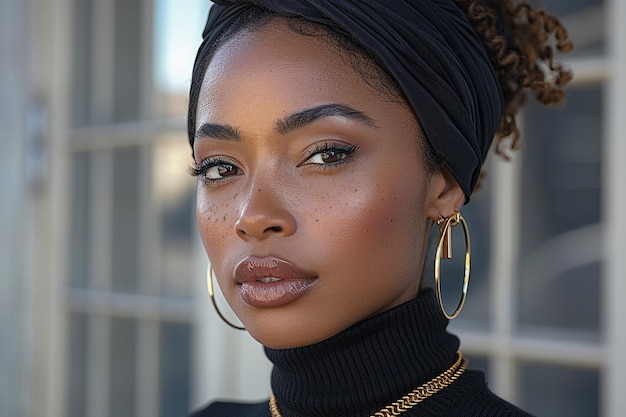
(264, 215)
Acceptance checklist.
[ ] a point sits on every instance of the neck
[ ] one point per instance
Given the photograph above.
(367, 366)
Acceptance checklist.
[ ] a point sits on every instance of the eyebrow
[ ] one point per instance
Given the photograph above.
(216, 131)
(306, 117)
(292, 122)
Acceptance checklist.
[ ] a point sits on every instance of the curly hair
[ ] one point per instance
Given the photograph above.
(521, 43)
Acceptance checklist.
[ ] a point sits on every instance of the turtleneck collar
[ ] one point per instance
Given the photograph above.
(367, 366)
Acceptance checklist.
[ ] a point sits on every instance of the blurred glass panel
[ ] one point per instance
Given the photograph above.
(122, 384)
(128, 58)
(559, 269)
(478, 363)
(80, 220)
(175, 368)
(477, 214)
(584, 20)
(77, 372)
(567, 7)
(556, 391)
(174, 191)
(81, 66)
(177, 36)
(126, 204)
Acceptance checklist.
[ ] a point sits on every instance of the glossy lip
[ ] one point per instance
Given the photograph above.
(271, 282)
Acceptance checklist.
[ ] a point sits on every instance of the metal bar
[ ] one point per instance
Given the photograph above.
(561, 348)
(57, 367)
(102, 61)
(148, 364)
(505, 235)
(141, 307)
(614, 200)
(111, 136)
(99, 331)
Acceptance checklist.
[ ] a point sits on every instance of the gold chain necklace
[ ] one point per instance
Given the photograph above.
(414, 397)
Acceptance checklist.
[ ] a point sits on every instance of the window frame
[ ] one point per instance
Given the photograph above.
(216, 346)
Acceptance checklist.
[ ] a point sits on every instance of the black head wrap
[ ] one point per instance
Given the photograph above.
(427, 46)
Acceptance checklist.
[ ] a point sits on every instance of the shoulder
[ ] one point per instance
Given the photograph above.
(222, 409)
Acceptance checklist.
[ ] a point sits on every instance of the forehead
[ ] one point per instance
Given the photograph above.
(274, 56)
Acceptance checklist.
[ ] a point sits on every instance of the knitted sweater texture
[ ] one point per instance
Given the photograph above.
(369, 366)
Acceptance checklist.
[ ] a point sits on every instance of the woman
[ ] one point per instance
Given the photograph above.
(328, 138)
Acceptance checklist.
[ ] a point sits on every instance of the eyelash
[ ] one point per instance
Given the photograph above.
(342, 148)
(200, 169)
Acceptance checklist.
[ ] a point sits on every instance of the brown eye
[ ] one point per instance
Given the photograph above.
(213, 170)
(330, 155)
(220, 171)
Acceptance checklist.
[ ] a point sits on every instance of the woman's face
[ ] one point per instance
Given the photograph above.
(313, 202)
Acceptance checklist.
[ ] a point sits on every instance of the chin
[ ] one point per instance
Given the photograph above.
(280, 339)
(290, 335)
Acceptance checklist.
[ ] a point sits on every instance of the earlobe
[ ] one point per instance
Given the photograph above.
(445, 196)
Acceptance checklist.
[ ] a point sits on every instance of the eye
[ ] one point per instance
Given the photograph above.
(329, 154)
(213, 170)
(220, 171)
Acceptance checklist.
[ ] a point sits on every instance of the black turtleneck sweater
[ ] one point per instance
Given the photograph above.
(369, 366)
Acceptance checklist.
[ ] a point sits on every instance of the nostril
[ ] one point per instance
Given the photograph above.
(276, 229)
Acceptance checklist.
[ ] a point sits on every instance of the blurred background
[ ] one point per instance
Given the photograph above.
(103, 308)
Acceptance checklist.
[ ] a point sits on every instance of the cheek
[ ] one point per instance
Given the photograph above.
(215, 217)
(388, 218)
(371, 220)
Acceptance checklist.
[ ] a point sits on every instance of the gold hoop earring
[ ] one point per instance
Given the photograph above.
(209, 283)
(444, 249)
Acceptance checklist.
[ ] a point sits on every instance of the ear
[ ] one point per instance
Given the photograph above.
(444, 196)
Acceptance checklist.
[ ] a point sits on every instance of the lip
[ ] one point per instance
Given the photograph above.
(271, 282)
